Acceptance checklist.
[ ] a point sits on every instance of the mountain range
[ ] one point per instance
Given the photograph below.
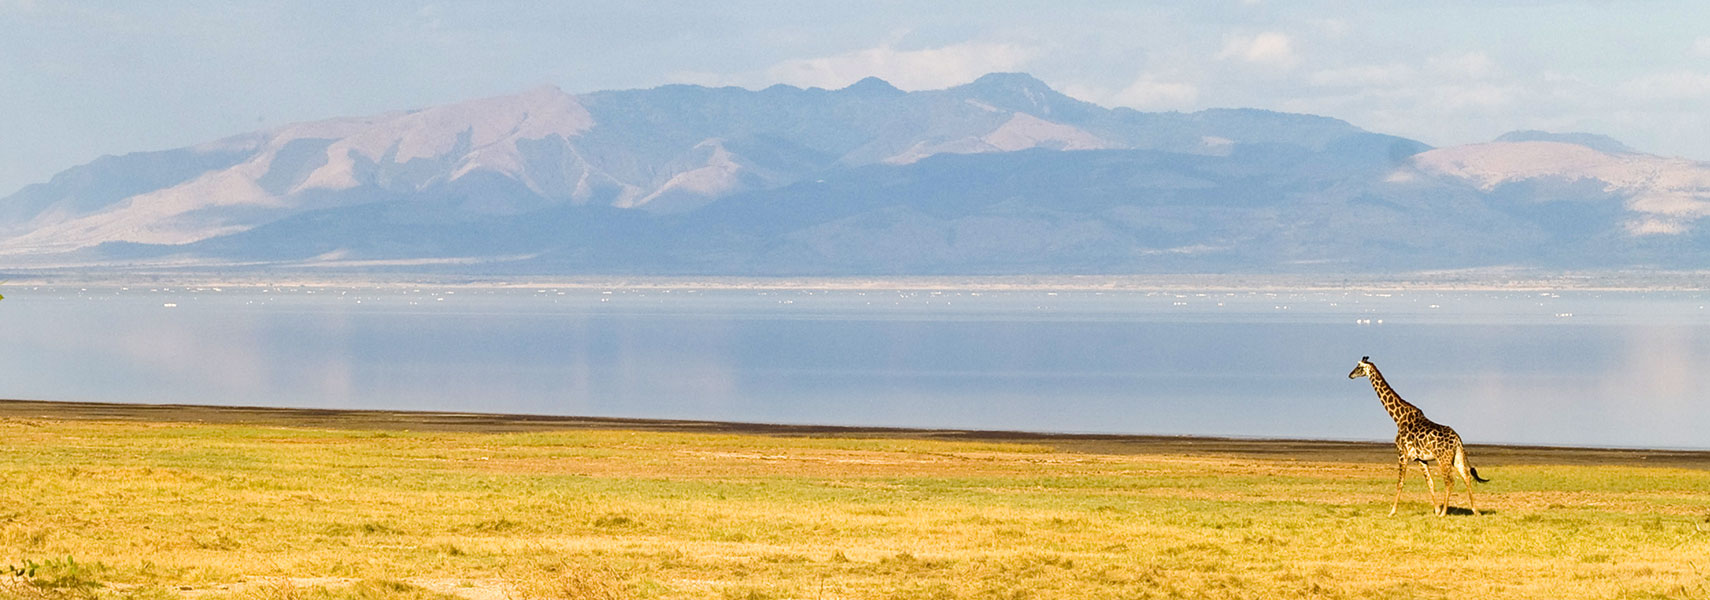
(1003, 175)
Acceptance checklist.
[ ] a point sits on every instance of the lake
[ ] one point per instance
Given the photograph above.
(1561, 368)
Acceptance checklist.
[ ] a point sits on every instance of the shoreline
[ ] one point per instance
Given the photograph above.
(1467, 280)
(1091, 443)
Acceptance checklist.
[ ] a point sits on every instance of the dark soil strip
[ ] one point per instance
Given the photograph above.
(1271, 449)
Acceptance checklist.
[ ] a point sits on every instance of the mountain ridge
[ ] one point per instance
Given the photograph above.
(999, 175)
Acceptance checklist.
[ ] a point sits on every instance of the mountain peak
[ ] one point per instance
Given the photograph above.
(873, 86)
(1600, 143)
(1009, 81)
(1018, 92)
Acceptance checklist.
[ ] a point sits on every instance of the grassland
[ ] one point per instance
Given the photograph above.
(165, 502)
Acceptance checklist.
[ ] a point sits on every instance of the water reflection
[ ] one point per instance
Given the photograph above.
(1524, 367)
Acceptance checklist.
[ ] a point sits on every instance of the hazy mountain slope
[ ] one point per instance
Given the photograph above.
(108, 180)
(1661, 196)
(1271, 208)
(1600, 143)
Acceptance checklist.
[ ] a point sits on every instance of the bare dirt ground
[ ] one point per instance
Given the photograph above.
(1274, 449)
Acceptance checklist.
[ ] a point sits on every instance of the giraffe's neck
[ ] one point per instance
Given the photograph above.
(1398, 409)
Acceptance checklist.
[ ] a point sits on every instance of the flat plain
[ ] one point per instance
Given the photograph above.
(116, 501)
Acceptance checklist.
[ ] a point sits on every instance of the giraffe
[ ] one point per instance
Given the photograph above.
(1417, 439)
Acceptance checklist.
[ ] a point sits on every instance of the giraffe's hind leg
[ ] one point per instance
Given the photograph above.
(1466, 477)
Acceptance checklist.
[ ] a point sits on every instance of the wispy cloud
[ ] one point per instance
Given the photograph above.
(1269, 49)
(928, 68)
(1447, 97)
(1701, 47)
(1364, 76)
(1670, 86)
(1151, 94)
(1467, 65)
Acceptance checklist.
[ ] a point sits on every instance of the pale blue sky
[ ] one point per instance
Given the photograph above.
(83, 79)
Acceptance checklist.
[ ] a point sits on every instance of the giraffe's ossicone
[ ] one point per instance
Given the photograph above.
(1418, 440)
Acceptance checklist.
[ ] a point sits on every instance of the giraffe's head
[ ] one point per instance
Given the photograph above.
(1364, 369)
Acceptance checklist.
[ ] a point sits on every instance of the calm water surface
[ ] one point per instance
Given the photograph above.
(1573, 368)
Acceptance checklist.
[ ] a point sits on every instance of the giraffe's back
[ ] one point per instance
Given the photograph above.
(1426, 440)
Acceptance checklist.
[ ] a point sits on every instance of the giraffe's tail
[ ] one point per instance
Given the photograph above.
(1461, 457)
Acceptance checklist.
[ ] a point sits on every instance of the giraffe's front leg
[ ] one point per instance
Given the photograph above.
(1400, 473)
(1447, 471)
(1430, 484)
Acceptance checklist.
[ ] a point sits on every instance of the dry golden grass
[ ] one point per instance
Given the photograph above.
(231, 510)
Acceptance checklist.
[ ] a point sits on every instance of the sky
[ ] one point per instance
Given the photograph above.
(79, 80)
